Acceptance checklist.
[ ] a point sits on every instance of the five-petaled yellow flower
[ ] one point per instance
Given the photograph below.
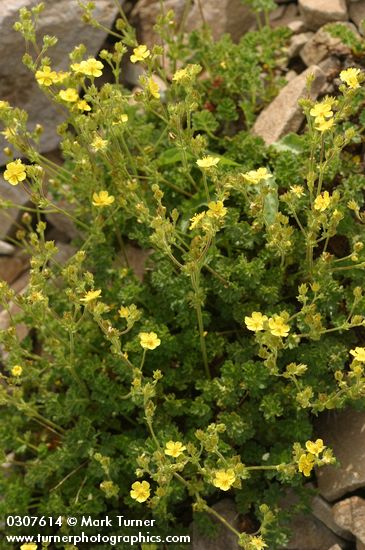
(15, 172)
(297, 190)
(257, 543)
(99, 144)
(140, 53)
(208, 162)
(124, 312)
(149, 340)
(322, 109)
(17, 370)
(70, 95)
(91, 295)
(224, 479)
(153, 88)
(256, 321)
(315, 447)
(29, 546)
(174, 448)
(46, 77)
(256, 176)
(140, 491)
(216, 210)
(306, 464)
(278, 326)
(90, 67)
(322, 202)
(359, 354)
(82, 105)
(351, 77)
(180, 74)
(322, 125)
(102, 199)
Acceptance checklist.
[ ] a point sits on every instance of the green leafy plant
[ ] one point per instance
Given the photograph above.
(160, 395)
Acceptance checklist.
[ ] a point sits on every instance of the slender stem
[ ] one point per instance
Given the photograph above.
(222, 520)
(198, 309)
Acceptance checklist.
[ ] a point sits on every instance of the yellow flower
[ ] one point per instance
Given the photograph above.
(315, 447)
(140, 491)
(99, 144)
(174, 448)
(359, 354)
(82, 105)
(109, 488)
(61, 76)
(306, 464)
(256, 176)
(91, 295)
(257, 543)
(208, 161)
(15, 172)
(153, 88)
(322, 109)
(297, 190)
(70, 95)
(46, 77)
(17, 370)
(124, 117)
(140, 53)
(149, 340)
(181, 74)
(224, 479)
(322, 125)
(91, 67)
(256, 321)
(216, 210)
(124, 312)
(29, 546)
(322, 202)
(278, 327)
(102, 199)
(196, 219)
(76, 67)
(350, 77)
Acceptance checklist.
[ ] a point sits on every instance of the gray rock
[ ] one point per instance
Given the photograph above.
(297, 26)
(330, 66)
(310, 534)
(320, 46)
(221, 15)
(350, 515)
(290, 13)
(357, 14)
(307, 531)
(284, 115)
(225, 538)
(343, 431)
(60, 18)
(290, 75)
(322, 510)
(63, 223)
(297, 42)
(335, 547)
(6, 249)
(319, 12)
(65, 252)
(12, 267)
(13, 194)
